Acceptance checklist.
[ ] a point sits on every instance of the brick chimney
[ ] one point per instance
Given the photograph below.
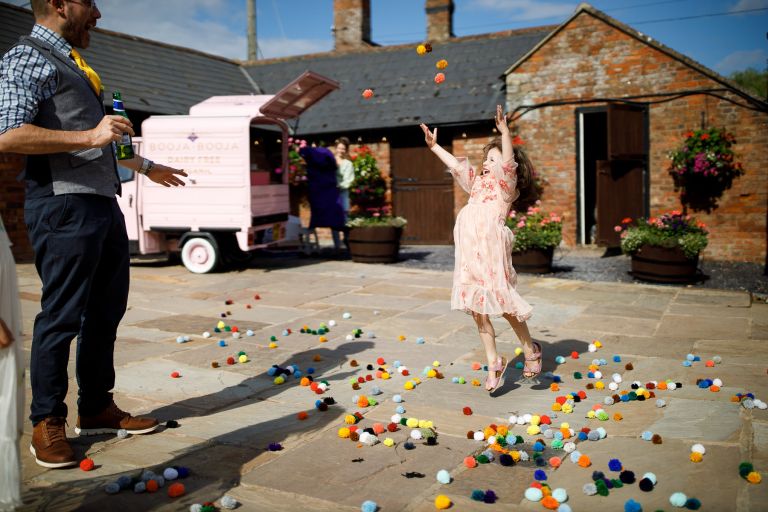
(439, 20)
(351, 24)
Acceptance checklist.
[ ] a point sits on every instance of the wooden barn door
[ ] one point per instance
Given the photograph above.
(423, 194)
(621, 180)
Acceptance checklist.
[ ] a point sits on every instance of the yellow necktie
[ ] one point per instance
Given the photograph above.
(92, 75)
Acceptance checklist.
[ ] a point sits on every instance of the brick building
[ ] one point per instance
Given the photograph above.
(576, 89)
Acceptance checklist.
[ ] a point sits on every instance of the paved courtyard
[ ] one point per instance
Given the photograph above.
(229, 415)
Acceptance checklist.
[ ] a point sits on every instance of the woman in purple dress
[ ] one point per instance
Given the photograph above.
(324, 199)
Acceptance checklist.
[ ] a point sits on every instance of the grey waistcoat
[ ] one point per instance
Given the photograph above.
(74, 107)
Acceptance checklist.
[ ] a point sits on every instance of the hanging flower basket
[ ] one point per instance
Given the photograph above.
(704, 167)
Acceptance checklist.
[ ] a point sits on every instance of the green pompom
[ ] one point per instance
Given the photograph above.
(482, 459)
(576, 375)
(478, 495)
(745, 468)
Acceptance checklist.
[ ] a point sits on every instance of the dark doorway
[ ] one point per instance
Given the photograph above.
(595, 148)
(612, 176)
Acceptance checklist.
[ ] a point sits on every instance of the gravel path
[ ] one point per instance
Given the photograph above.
(591, 264)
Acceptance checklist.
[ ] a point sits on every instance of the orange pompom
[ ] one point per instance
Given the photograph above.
(470, 462)
(439, 78)
(662, 385)
(305, 381)
(584, 461)
(362, 401)
(152, 486)
(368, 94)
(550, 503)
(714, 388)
(441, 64)
(554, 387)
(302, 415)
(176, 489)
(618, 417)
(696, 457)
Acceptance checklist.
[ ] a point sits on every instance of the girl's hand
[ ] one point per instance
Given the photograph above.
(501, 121)
(429, 137)
(6, 336)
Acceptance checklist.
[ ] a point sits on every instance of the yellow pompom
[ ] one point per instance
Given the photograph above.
(488, 432)
(279, 379)
(598, 344)
(422, 423)
(475, 382)
(567, 408)
(273, 345)
(591, 415)
(389, 442)
(323, 339)
(696, 457)
(557, 407)
(401, 338)
(349, 419)
(428, 424)
(518, 351)
(599, 385)
(442, 502)
(754, 477)
(431, 373)
(343, 432)
(408, 385)
(416, 380)
(435, 363)
(412, 422)
(535, 420)
(385, 375)
(221, 325)
(533, 430)
(565, 424)
(515, 455)
(421, 49)
(243, 358)
(441, 64)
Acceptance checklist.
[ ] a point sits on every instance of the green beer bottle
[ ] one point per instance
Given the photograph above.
(125, 146)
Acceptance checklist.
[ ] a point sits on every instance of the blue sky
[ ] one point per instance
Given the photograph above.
(726, 42)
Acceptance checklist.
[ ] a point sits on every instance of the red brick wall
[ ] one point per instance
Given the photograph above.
(12, 205)
(592, 59)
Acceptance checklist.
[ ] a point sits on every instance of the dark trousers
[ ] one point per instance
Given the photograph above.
(81, 255)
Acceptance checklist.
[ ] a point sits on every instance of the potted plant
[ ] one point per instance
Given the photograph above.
(374, 234)
(664, 249)
(704, 167)
(375, 237)
(536, 236)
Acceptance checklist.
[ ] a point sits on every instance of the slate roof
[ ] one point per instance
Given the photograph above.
(153, 77)
(405, 93)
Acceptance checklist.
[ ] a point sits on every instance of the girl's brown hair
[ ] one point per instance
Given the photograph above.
(526, 183)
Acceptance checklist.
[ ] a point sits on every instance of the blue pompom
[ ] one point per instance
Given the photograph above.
(616, 359)
(183, 472)
(540, 475)
(632, 506)
(477, 495)
(590, 375)
(696, 358)
(625, 398)
(690, 357)
(686, 363)
(647, 435)
(124, 482)
(693, 504)
(112, 488)
(310, 370)
(614, 465)
(582, 436)
(272, 371)
(369, 506)
(420, 340)
(409, 445)
(397, 399)
(400, 409)
(556, 378)
(538, 446)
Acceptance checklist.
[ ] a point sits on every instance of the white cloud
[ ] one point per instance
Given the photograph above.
(524, 10)
(738, 61)
(742, 5)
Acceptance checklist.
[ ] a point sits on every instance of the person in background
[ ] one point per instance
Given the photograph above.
(52, 110)
(11, 378)
(324, 198)
(345, 176)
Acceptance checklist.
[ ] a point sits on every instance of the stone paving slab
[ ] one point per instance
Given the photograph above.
(230, 414)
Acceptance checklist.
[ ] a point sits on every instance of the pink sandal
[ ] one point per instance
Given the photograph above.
(533, 370)
(498, 368)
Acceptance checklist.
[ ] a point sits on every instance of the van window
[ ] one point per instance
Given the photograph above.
(125, 174)
(265, 156)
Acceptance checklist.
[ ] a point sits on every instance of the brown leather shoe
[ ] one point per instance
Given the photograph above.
(112, 419)
(50, 446)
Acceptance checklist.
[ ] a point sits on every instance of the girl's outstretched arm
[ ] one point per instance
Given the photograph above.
(506, 138)
(431, 139)
(459, 169)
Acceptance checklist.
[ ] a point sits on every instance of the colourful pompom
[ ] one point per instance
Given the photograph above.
(441, 64)
(442, 502)
(467, 411)
(692, 504)
(176, 489)
(678, 499)
(87, 464)
(368, 94)
(614, 465)
(632, 506)
(439, 78)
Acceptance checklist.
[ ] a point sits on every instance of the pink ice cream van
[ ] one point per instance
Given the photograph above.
(236, 197)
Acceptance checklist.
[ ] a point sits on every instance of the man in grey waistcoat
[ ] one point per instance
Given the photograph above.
(51, 109)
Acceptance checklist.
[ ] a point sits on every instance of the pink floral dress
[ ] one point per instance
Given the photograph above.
(484, 280)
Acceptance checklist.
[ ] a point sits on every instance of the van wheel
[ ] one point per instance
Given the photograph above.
(200, 255)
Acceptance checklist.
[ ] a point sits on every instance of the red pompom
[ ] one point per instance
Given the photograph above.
(230, 360)
(152, 486)
(582, 394)
(256, 297)
(380, 360)
(175, 375)
(302, 415)
(406, 373)
(235, 328)
(575, 355)
(467, 411)
(176, 489)
(369, 377)
(368, 94)
(392, 427)
(229, 302)
(87, 464)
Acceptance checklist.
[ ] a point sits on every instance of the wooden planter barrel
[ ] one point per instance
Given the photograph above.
(374, 244)
(664, 265)
(533, 261)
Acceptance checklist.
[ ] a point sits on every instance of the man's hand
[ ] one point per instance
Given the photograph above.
(110, 129)
(501, 121)
(166, 176)
(6, 336)
(429, 137)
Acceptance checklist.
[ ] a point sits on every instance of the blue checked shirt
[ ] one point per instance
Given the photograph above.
(27, 79)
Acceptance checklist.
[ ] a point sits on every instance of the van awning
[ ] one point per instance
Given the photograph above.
(296, 97)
